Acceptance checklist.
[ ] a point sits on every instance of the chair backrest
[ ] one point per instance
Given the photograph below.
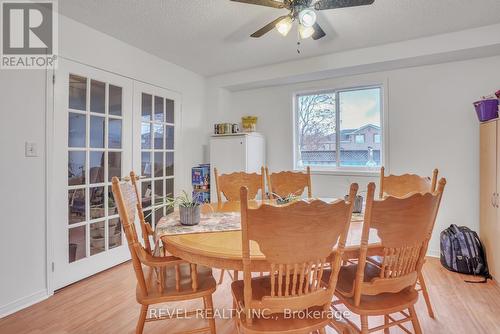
(298, 241)
(229, 184)
(126, 200)
(401, 185)
(145, 227)
(128, 204)
(287, 183)
(404, 226)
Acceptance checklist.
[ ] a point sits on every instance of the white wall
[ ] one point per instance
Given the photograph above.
(431, 124)
(22, 193)
(22, 118)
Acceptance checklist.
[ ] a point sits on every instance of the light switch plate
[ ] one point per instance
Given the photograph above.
(30, 149)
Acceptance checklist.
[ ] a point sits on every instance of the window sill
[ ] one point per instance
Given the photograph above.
(343, 172)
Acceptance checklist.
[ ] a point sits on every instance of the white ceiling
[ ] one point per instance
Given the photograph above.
(212, 36)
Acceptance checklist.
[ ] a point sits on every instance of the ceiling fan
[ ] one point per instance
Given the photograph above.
(302, 10)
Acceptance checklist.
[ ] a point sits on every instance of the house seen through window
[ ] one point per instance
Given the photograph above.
(339, 130)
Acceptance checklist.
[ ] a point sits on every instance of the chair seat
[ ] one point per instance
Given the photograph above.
(370, 305)
(376, 260)
(206, 285)
(278, 322)
(347, 276)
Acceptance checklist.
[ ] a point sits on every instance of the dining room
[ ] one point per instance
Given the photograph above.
(249, 166)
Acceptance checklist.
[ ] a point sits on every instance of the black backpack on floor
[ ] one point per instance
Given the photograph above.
(463, 252)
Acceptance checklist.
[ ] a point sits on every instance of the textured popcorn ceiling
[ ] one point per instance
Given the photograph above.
(212, 36)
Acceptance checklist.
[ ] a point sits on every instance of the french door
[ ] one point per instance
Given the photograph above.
(92, 142)
(105, 125)
(157, 124)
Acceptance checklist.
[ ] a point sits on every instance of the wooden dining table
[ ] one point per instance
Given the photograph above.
(223, 249)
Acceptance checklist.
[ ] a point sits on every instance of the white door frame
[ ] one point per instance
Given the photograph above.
(49, 155)
(57, 200)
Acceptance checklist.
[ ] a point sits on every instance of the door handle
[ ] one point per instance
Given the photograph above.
(492, 200)
(496, 200)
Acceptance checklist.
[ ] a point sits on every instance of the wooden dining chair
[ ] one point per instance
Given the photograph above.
(402, 185)
(287, 183)
(229, 185)
(297, 240)
(403, 226)
(178, 281)
(147, 231)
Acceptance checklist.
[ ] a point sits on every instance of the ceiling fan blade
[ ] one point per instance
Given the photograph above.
(267, 3)
(318, 32)
(267, 28)
(332, 4)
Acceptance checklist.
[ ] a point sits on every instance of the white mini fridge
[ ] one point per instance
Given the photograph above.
(242, 152)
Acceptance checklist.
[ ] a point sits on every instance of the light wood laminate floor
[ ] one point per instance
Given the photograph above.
(105, 304)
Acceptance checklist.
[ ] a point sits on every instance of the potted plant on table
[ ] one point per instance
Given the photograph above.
(286, 199)
(189, 208)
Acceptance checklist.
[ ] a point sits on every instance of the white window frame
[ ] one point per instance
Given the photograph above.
(340, 170)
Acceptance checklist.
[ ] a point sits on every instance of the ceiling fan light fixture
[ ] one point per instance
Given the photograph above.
(284, 26)
(307, 17)
(305, 32)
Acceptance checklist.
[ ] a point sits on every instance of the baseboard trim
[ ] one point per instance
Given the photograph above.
(23, 302)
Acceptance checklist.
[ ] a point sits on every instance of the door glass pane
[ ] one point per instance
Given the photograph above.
(96, 167)
(146, 164)
(76, 206)
(97, 132)
(115, 133)
(147, 192)
(159, 109)
(114, 164)
(169, 130)
(159, 198)
(97, 238)
(77, 92)
(169, 166)
(77, 243)
(169, 106)
(147, 217)
(76, 130)
(97, 209)
(97, 96)
(115, 100)
(146, 136)
(158, 158)
(158, 215)
(158, 136)
(169, 187)
(112, 209)
(76, 168)
(146, 107)
(115, 233)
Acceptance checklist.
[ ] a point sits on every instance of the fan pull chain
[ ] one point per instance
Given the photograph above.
(298, 42)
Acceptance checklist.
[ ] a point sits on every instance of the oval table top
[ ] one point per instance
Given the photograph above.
(223, 249)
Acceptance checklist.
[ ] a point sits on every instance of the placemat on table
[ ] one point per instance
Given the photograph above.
(210, 222)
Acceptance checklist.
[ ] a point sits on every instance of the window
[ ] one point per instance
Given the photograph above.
(339, 129)
(360, 139)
